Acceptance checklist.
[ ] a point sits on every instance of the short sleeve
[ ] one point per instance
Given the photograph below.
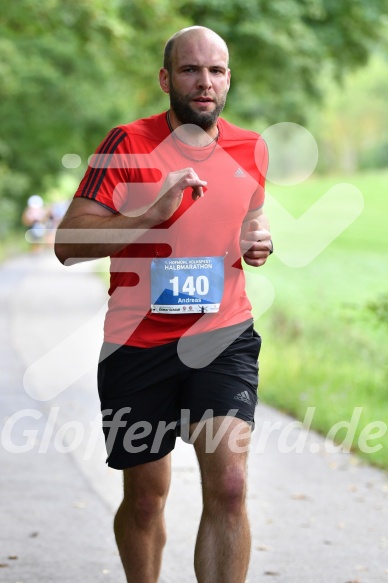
(105, 173)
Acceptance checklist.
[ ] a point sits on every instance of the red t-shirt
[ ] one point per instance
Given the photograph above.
(126, 174)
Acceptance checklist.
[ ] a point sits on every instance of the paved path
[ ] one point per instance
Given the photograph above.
(316, 517)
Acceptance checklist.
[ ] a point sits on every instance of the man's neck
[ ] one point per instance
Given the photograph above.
(191, 134)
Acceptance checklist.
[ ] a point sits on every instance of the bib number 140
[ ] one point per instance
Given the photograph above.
(192, 285)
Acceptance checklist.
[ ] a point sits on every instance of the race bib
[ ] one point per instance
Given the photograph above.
(187, 285)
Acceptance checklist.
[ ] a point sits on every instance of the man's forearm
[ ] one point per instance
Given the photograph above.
(92, 237)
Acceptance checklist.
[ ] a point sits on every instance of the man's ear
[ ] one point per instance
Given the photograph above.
(164, 80)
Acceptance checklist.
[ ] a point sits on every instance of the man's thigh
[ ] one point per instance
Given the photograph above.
(139, 397)
(228, 385)
(147, 481)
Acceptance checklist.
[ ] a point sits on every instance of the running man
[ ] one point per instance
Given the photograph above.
(176, 200)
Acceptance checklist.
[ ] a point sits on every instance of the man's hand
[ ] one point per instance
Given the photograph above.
(256, 244)
(171, 194)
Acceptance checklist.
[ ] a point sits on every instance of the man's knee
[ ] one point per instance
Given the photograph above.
(226, 492)
(146, 507)
(145, 493)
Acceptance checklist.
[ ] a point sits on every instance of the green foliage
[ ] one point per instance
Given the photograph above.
(69, 71)
(54, 90)
(352, 124)
(280, 47)
(379, 308)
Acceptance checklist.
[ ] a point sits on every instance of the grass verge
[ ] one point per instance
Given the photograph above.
(322, 347)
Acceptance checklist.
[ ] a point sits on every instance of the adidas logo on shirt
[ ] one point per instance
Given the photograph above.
(243, 396)
(239, 173)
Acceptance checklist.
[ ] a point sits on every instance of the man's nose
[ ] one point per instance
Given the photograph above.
(204, 79)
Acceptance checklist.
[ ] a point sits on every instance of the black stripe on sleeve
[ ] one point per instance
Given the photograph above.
(87, 190)
(118, 140)
(101, 162)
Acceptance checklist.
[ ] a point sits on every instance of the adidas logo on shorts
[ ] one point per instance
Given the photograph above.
(243, 396)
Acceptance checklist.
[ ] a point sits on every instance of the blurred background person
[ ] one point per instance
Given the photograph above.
(35, 217)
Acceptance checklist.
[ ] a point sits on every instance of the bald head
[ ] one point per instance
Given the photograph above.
(191, 33)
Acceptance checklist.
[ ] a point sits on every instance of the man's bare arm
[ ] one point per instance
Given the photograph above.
(89, 230)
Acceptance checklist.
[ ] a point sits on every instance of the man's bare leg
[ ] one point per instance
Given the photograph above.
(223, 544)
(139, 523)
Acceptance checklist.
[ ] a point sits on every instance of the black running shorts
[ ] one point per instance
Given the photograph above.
(148, 395)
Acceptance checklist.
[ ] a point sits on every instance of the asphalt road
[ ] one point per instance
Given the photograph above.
(316, 516)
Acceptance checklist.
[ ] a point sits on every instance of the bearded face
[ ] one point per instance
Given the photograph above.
(197, 108)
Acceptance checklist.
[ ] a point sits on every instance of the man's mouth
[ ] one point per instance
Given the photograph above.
(203, 100)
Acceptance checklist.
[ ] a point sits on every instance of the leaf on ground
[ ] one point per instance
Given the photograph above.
(273, 573)
(3, 565)
(299, 496)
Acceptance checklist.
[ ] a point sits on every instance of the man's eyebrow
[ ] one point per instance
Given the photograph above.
(192, 66)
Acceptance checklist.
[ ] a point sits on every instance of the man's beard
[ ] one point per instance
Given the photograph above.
(186, 115)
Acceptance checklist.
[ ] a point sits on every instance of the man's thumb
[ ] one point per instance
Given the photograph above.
(255, 225)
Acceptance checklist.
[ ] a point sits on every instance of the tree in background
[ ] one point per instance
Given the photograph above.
(71, 70)
(352, 123)
(279, 48)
